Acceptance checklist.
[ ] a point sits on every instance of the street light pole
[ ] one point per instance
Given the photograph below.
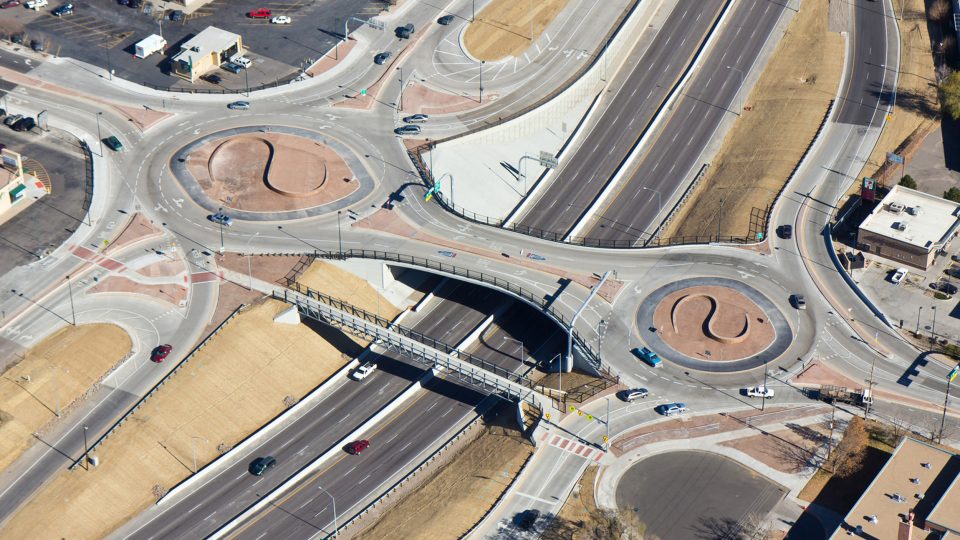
(220, 216)
(194, 448)
(482, 62)
(400, 69)
(522, 348)
(99, 136)
(659, 199)
(933, 328)
(336, 529)
(86, 456)
(946, 401)
(249, 267)
(73, 312)
(339, 236)
(919, 311)
(763, 402)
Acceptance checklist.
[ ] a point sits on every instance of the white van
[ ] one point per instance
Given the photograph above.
(36, 4)
(242, 61)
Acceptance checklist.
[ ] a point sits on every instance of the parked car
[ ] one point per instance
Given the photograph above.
(176, 15)
(10, 4)
(670, 409)
(113, 143)
(364, 371)
(381, 58)
(12, 119)
(213, 78)
(232, 68)
(798, 301)
(282, 19)
(18, 38)
(36, 4)
(527, 519)
(407, 130)
(358, 446)
(944, 287)
(221, 219)
(445, 20)
(632, 395)
(647, 356)
(955, 258)
(899, 275)
(160, 353)
(416, 119)
(123, 2)
(405, 31)
(785, 231)
(239, 105)
(242, 61)
(259, 13)
(262, 465)
(25, 124)
(760, 391)
(136, 4)
(37, 45)
(66, 9)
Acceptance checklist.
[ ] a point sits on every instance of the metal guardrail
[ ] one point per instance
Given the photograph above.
(116, 425)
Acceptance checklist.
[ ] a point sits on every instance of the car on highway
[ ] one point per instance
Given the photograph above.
(407, 130)
(282, 19)
(944, 287)
(785, 231)
(363, 371)
(632, 395)
(445, 20)
(176, 15)
(262, 465)
(798, 301)
(66, 9)
(10, 4)
(647, 356)
(239, 105)
(899, 275)
(416, 119)
(160, 353)
(221, 219)
(760, 391)
(358, 446)
(670, 409)
(259, 13)
(380, 58)
(113, 143)
(37, 4)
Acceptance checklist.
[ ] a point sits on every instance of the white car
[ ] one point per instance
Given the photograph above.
(899, 276)
(282, 19)
(36, 4)
(364, 371)
(760, 391)
(242, 61)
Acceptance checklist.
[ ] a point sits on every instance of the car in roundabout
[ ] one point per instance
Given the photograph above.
(160, 353)
(239, 106)
(760, 392)
(221, 219)
(633, 394)
(671, 409)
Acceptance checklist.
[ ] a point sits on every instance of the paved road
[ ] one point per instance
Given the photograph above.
(868, 87)
(673, 155)
(624, 120)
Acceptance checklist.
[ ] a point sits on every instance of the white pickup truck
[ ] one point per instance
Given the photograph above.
(36, 4)
(364, 371)
(760, 391)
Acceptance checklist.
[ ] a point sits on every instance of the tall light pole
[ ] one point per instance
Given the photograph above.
(86, 456)
(280, 228)
(763, 401)
(339, 236)
(73, 312)
(482, 62)
(740, 88)
(919, 311)
(659, 199)
(220, 220)
(522, 348)
(336, 529)
(400, 69)
(249, 267)
(99, 136)
(194, 448)
(933, 328)
(946, 401)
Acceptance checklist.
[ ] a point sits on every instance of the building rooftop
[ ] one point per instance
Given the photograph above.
(914, 217)
(210, 39)
(918, 477)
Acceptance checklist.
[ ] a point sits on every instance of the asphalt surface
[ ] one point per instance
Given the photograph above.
(584, 174)
(864, 92)
(699, 495)
(216, 502)
(50, 220)
(694, 119)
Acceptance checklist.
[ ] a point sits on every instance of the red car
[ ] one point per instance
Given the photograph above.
(358, 446)
(10, 4)
(160, 353)
(260, 13)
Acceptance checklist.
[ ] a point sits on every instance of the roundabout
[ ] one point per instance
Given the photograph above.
(713, 324)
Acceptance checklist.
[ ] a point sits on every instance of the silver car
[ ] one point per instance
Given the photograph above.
(407, 130)
(239, 105)
(632, 395)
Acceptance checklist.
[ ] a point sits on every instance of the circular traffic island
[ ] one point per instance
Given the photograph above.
(713, 324)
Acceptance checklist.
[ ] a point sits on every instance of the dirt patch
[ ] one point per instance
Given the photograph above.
(170, 293)
(245, 376)
(788, 450)
(271, 172)
(779, 121)
(503, 28)
(329, 279)
(457, 496)
(917, 110)
(54, 374)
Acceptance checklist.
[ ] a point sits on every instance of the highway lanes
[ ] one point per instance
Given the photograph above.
(869, 84)
(707, 97)
(584, 174)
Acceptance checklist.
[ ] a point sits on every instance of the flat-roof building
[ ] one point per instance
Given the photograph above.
(909, 226)
(12, 179)
(204, 52)
(915, 493)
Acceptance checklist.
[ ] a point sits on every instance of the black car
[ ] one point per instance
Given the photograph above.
(944, 287)
(136, 4)
(785, 231)
(445, 20)
(176, 15)
(262, 465)
(37, 45)
(25, 124)
(17, 38)
(381, 58)
(66, 9)
(123, 2)
(213, 78)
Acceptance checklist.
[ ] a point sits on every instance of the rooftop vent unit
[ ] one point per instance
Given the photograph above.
(873, 519)
(925, 465)
(914, 210)
(900, 226)
(196, 49)
(914, 480)
(898, 498)
(895, 207)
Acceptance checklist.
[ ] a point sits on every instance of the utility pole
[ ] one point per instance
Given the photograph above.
(220, 219)
(946, 401)
(482, 62)
(99, 136)
(933, 329)
(573, 320)
(339, 236)
(873, 365)
(86, 452)
(73, 312)
(919, 311)
(400, 69)
(763, 403)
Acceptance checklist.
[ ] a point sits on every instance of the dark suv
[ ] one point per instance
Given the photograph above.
(25, 124)
(262, 465)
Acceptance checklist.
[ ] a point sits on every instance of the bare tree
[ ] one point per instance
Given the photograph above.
(847, 458)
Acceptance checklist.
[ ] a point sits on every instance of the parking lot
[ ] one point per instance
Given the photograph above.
(103, 33)
(49, 221)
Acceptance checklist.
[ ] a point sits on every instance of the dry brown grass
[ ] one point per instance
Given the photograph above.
(233, 386)
(458, 495)
(782, 115)
(502, 28)
(60, 369)
(329, 279)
